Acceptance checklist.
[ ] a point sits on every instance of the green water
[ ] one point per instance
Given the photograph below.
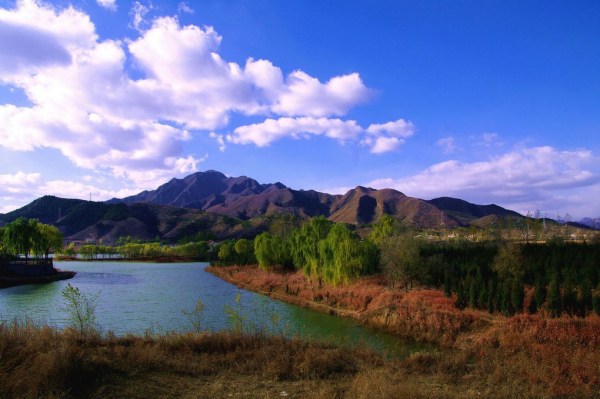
(140, 297)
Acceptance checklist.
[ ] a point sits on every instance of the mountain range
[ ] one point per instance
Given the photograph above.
(244, 198)
(219, 206)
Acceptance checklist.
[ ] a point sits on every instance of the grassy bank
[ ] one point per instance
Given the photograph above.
(43, 362)
(541, 356)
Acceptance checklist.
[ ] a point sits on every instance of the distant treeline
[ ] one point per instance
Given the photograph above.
(555, 276)
(200, 250)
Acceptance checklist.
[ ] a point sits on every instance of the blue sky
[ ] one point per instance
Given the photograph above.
(489, 101)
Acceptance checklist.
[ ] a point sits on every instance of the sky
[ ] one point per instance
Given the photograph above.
(487, 101)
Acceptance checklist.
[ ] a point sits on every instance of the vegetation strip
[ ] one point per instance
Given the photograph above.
(556, 355)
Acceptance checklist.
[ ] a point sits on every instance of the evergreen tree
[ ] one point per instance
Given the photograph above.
(586, 299)
(461, 296)
(516, 296)
(569, 299)
(596, 300)
(553, 300)
(491, 297)
(539, 295)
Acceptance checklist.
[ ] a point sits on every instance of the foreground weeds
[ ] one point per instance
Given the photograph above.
(41, 362)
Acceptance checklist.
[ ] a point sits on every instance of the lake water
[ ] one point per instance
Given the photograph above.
(136, 297)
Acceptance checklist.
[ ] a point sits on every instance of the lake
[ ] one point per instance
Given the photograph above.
(136, 297)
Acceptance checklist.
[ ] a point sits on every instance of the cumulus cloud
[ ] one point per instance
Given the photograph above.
(85, 103)
(385, 144)
(399, 128)
(522, 179)
(264, 133)
(18, 183)
(305, 95)
(108, 4)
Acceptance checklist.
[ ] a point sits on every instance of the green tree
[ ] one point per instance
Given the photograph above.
(387, 227)
(305, 245)
(343, 256)
(49, 238)
(553, 302)
(400, 259)
(596, 300)
(20, 236)
(244, 250)
(227, 251)
(272, 251)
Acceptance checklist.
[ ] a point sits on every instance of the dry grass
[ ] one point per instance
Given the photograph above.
(40, 362)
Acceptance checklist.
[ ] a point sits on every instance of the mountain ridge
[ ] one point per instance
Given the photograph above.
(243, 197)
(213, 204)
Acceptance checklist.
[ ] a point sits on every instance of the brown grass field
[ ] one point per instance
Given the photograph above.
(40, 362)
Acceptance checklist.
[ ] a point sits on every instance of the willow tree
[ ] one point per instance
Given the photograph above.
(305, 245)
(271, 250)
(49, 239)
(20, 236)
(344, 256)
(244, 250)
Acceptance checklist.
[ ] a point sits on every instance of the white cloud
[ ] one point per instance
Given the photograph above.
(138, 16)
(399, 128)
(305, 95)
(18, 184)
(264, 133)
(16, 190)
(108, 4)
(220, 140)
(523, 179)
(185, 8)
(448, 144)
(385, 144)
(85, 103)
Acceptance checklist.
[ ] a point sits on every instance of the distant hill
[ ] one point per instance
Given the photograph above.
(591, 222)
(366, 205)
(212, 204)
(466, 213)
(200, 190)
(245, 198)
(81, 220)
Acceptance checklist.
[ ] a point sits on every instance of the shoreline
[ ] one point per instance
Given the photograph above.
(421, 315)
(13, 281)
(167, 259)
